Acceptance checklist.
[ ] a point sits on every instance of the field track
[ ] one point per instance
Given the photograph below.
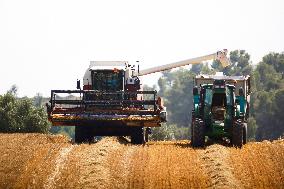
(49, 161)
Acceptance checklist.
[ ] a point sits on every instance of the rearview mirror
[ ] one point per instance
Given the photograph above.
(195, 91)
(78, 84)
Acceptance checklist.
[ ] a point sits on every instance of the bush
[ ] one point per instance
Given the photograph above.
(170, 132)
(19, 115)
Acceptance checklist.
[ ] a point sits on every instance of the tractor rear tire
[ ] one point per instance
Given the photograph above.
(198, 133)
(84, 134)
(238, 134)
(191, 130)
(138, 135)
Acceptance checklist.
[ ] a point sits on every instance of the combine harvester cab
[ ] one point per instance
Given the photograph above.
(221, 109)
(110, 104)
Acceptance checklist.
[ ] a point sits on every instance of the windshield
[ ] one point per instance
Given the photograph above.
(229, 96)
(107, 80)
(208, 96)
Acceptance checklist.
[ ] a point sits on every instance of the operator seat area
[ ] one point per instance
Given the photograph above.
(218, 107)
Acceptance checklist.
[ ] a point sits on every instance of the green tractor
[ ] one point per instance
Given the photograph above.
(221, 109)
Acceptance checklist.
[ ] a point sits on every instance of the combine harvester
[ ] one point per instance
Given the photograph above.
(112, 103)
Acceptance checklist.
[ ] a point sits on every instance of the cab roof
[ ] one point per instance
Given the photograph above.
(108, 65)
(222, 77)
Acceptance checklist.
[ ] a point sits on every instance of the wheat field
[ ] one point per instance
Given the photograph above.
(52, 161)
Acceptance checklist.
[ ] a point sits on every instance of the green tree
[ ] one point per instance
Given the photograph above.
(7, 112)
(177, 93)
(19, 115)
(276, 60)
(240, 64)
(268, 96)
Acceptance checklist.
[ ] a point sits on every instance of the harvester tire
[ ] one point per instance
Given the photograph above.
(138, 135)
(198, 133)
(238, 134)
(84, 134)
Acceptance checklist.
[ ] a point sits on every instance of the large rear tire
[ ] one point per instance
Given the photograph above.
(84, 134)
(138, 135)
(238, 134)
(191, 129)
(198, 133)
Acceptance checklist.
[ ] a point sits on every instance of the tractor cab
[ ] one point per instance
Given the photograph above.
(222, 100)
(216, 100)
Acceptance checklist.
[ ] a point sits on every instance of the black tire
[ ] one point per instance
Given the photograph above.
(138, 135)
(198, 133)
(238, 134)
(191, 129)
(84, 134)
(245, 133)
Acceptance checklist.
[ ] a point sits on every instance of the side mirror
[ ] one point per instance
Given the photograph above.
(195, 91)
(78, 84)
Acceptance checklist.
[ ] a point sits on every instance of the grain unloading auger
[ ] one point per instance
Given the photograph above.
(220, 55)
(112, 103)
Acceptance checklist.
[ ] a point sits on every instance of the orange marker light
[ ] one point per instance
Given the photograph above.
(115, 70)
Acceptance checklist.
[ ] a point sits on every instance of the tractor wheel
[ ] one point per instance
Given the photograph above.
(138, 135)
(191, 130)
(198, 134)
(238, 134)
(84, 134)
(245, 133)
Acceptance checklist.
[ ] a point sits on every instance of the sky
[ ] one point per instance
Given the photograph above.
(48, 45)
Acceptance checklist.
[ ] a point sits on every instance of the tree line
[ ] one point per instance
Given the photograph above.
(21, 115)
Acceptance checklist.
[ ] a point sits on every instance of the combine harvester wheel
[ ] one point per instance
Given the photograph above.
(138, 135)
(84, 134)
